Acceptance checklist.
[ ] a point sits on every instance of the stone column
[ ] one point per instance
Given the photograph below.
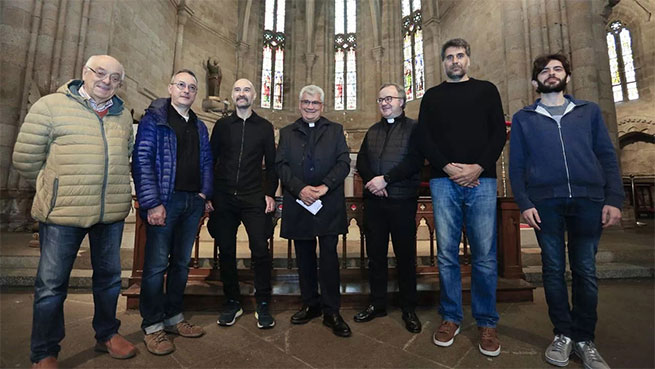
(70, 43)
(378, 53)
(182, 17)
(45, 46)
(517, 62)
(310, 56)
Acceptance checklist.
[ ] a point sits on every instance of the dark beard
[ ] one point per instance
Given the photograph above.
(456, 76)
(544, 89)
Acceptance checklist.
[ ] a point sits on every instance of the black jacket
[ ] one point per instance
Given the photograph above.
(384, 148)
(332, 165)
(238, 147)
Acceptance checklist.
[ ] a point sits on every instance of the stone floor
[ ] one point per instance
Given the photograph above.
(625, 337)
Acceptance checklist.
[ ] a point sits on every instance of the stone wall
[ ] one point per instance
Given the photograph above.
(638, 115)
(46, 42)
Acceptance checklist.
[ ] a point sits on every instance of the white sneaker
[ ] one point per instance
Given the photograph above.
(588, 352)
(558, 352)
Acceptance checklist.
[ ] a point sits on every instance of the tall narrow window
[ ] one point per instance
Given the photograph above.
(622, 66)
(345, 58)
(413, 65)
(273, 55)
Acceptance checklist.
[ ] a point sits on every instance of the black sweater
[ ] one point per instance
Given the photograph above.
(238, 147)
(462, 122)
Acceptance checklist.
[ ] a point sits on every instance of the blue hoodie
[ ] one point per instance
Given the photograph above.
(574, 158)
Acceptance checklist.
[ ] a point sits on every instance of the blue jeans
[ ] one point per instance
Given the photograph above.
(168, 251)
(59, 247)
(581, 219)
(455, 205)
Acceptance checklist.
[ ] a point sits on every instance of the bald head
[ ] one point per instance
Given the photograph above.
(243, 94)
(102, 76)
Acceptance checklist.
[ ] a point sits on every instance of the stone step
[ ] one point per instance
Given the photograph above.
(532, 256)
(603, 271)
(80, 278)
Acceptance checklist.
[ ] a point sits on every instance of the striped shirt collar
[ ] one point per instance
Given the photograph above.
(97, 107)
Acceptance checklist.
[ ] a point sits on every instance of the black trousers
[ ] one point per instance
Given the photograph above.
(229, 212)
(330, 297)
(381, 217)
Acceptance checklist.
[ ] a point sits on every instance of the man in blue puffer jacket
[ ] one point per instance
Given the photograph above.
(172, 169)
(565, 177)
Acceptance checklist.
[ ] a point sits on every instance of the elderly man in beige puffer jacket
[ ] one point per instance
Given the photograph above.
(74, 147)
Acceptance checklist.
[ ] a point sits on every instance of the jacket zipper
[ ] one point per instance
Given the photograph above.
(561, 140)
(104, 181)
(566, 164)
(243, 135)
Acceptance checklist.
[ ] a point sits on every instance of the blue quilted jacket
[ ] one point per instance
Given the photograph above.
(153, 159)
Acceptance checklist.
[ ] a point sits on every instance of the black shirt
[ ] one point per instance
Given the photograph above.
(462, 122)
(187, 174)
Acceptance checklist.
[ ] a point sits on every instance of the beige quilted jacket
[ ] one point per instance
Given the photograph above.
(78, 162)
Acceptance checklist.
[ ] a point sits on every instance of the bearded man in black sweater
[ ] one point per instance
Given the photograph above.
(462, 133)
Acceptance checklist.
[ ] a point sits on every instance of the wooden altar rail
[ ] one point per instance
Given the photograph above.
(509, 242)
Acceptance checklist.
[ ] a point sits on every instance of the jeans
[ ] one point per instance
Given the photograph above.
(381, 217)
(475, 207)
(59, 247)
(229, 212)
(309, 275)
(581, 219)
(168, 251)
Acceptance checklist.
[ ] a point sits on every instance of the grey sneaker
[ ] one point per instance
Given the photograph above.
(264, 318)
(589, 355)
(231, 311)
(558, 352)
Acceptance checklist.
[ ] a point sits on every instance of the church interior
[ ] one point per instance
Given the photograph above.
(349, 48)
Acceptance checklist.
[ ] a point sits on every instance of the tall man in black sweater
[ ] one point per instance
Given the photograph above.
(239, 142)
(390, 205)
(462, 134)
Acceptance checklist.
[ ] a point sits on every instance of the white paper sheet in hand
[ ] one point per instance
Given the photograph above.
(313, 208)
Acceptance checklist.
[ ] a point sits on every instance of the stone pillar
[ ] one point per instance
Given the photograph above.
(45, 46)
(517, 62)
(182, 17)
(70, 43)
(378, 53)
(309, 56)
(97, 36)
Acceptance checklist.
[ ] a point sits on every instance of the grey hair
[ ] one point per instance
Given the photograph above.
(399, 89)
(91, 58)
(455, 42)
(187, 71)
(312, 90)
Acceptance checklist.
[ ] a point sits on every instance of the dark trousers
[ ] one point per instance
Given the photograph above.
(381, 217)
(229, 212)
(330, 297)
(580, 219)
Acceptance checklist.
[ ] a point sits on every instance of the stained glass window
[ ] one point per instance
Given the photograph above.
(622, 67)
(345, 55)
(413, 62)
(273, 55)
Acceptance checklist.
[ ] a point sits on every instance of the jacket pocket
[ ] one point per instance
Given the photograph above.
(53, 199)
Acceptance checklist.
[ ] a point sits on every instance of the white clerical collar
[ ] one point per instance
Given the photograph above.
(391, 120)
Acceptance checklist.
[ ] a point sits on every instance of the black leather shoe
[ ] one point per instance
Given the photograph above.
(411, 322)
(335, 321)
(368, 314)
(305, 314)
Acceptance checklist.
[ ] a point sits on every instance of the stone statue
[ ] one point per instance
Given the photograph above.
(214, 77)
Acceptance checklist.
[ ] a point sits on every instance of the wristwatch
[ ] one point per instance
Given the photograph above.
(386, 178)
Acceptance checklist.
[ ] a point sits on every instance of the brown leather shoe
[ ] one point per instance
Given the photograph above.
(185, 329)
(158, 343)
(489, 344)
(117, 347)
(445, 335)
(49, 362)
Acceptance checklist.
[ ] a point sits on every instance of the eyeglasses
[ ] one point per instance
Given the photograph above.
(311, 103)
(387, 99)
(114, 78)
(182, 85)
